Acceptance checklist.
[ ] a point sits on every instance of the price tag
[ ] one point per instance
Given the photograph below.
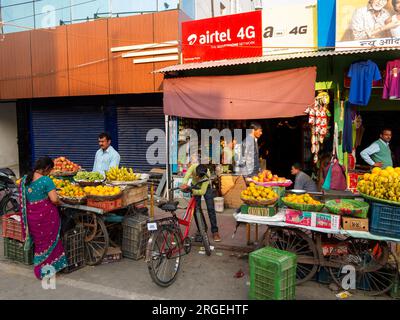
(152, 226)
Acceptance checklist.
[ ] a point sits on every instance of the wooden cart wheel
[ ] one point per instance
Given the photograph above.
(298, 242)
(96, 238)
(375, 266)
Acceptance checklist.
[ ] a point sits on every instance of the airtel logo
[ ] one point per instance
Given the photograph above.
(192, 38)
(218, 37)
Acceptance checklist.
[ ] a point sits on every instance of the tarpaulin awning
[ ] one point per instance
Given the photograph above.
(278, 94)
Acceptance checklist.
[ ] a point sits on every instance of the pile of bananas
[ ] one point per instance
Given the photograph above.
(122, 174)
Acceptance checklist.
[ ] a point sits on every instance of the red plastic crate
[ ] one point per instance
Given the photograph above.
(12, 228)
(108, 205)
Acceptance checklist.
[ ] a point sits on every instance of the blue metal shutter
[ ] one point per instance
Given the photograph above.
(67, 131)
(133, 124)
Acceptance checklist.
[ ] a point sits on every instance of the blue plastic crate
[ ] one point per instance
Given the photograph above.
(385, 220)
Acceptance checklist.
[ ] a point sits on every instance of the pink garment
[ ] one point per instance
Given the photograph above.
(391, 89)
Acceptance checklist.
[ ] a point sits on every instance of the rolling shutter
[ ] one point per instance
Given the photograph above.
(133, 124)
(67, 131)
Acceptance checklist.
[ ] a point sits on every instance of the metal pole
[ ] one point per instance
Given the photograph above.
(168, 172)
(212, 8)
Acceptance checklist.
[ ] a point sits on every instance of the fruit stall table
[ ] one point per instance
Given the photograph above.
(98, 222)
(371, 256)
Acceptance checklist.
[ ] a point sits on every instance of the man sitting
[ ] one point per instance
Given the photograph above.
(303, 181)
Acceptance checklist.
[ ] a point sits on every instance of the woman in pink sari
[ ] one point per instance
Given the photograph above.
(41, 220)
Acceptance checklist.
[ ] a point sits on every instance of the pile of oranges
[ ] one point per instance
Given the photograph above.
(102, 191)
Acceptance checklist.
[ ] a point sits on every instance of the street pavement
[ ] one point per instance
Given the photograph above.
(201, 277)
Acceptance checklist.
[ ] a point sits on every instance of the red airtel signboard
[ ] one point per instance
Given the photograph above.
(226, 37)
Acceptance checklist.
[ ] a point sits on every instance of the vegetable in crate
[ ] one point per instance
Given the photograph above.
(122, 174)
(89, 176)
(259, 193)
(383, 184)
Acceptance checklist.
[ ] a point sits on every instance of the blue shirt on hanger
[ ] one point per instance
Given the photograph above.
(362, 74)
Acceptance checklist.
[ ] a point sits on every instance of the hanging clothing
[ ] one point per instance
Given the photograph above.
(362, 74)
(391, 88)
(348, 128)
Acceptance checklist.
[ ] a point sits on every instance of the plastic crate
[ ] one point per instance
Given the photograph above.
(135, 236)
(14, 250)
(272, 274)
(385, 220)
(12, 228)
(107, 205)
(74, 247)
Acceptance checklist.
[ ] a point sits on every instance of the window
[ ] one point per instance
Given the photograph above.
(52, 13)
(16, 16)
(82, 10)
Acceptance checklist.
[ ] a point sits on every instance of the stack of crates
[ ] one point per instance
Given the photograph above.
(135, 236)
(272, 274)
(13, 240)
(74, 247)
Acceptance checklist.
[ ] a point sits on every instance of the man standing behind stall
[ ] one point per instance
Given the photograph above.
(251, 163)
(106, 157)
(378, 154)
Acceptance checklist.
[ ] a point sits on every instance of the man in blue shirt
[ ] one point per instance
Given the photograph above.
(106, 157)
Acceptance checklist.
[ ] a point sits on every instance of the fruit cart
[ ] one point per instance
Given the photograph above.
(375, 265)
(99, 224)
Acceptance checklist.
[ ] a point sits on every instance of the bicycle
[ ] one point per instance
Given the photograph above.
(168, 243)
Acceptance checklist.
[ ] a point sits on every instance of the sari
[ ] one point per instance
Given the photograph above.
(41, 225)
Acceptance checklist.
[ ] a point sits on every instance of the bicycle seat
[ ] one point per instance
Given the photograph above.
(169, 206)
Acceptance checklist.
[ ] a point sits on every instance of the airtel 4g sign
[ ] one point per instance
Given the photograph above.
(226, 37)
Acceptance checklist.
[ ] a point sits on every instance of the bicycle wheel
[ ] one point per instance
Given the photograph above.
(203, 232)
(165, 250)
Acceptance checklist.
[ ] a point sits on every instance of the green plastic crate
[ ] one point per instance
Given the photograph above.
(14, 250)
(272, 274)
(264, 211)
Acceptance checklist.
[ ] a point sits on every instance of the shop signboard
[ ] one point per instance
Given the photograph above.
(226, 37)
(290, 28)
(362, 24)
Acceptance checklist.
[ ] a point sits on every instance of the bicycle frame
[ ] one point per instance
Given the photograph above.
(185, 221)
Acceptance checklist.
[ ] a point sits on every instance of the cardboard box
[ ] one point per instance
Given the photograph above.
(355, 224)
(313, 219)
(231, 188)
(264, 211)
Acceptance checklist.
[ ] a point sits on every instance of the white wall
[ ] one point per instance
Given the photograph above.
(8, 137)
